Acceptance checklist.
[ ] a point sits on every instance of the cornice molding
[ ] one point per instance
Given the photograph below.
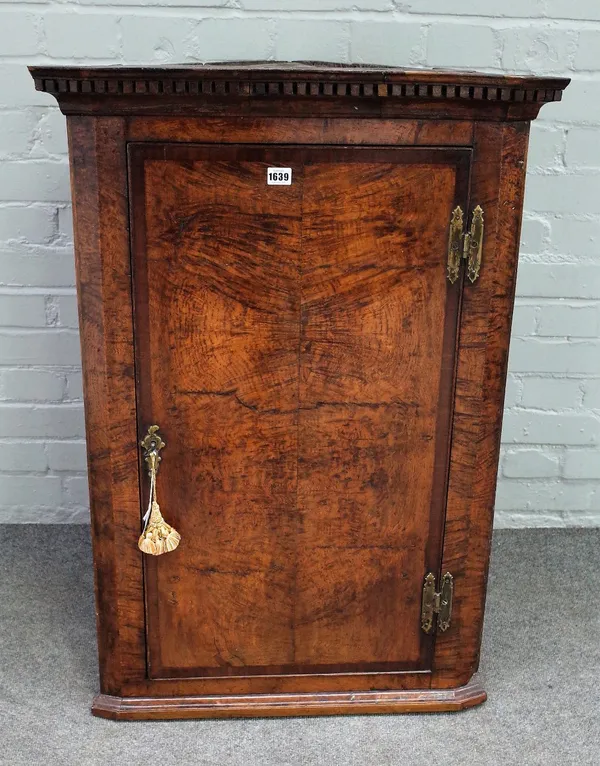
(296, 82)
(297, 88)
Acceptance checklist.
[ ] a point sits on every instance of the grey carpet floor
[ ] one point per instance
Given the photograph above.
(540, 666)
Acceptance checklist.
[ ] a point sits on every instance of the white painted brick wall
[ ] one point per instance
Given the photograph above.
(550, 466)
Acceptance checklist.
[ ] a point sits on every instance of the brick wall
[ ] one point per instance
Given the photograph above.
(550, 470)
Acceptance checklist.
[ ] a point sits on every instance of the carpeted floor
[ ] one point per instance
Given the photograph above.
(540, 666)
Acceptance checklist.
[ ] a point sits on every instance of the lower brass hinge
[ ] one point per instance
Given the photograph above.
(434, 603)
(468, 244)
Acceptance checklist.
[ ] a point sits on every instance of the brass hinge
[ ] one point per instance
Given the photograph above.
(439, 604)
(468, 244)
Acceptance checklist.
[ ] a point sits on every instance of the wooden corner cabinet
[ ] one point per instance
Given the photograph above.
(303, 274)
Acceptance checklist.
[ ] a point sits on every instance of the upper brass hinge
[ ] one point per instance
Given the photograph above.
(437, 603)
(468, 244)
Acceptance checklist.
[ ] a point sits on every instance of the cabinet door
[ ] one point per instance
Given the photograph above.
(296, 345)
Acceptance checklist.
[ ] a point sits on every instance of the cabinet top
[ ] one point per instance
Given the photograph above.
(296, 88)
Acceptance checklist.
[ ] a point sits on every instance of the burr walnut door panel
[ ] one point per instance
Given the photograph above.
(296, 345)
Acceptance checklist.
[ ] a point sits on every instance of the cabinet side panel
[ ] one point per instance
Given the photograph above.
(98, 178)
(498, 183)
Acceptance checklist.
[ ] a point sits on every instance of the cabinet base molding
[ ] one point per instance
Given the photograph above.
(280, 705)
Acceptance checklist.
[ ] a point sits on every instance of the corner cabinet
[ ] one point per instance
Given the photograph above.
(295, 288)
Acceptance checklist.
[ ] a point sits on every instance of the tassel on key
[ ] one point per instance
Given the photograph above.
(157, 536)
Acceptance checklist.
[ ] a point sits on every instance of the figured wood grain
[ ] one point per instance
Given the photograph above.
(498, 185)
(307, 130)
(220, 379)
(98, 174)
(375, 305)
(280, 343)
